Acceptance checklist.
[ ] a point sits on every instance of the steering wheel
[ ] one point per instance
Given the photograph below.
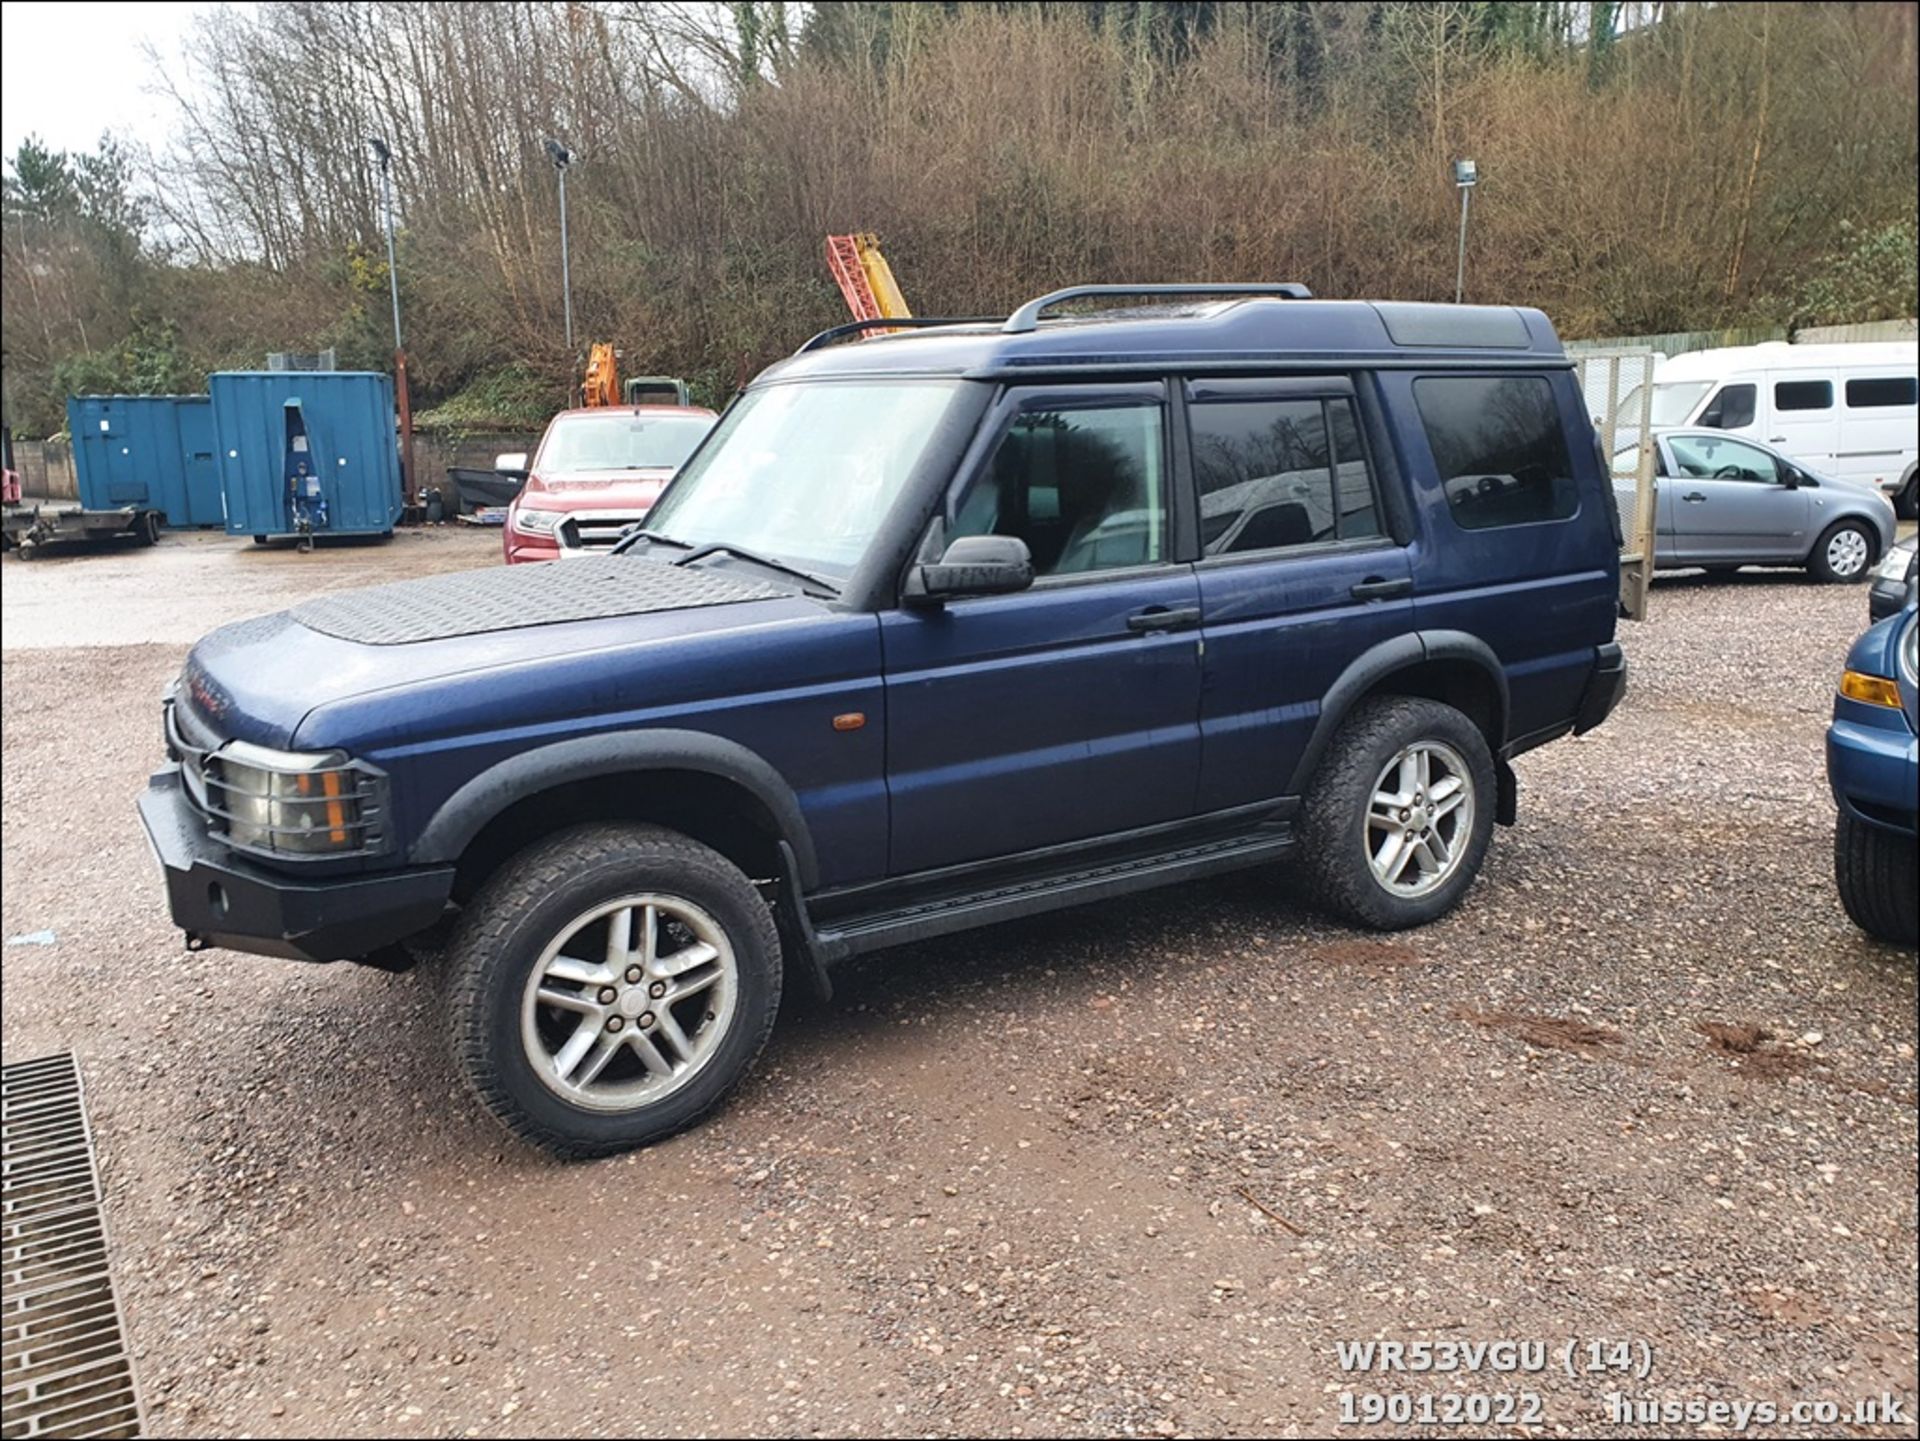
(1729, 472)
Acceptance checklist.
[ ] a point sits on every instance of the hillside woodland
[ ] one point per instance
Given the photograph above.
(1644, 168)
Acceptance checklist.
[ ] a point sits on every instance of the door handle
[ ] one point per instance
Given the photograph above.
(1376, 588)
(1776, 440)
(1160, 617)
(1693, 497)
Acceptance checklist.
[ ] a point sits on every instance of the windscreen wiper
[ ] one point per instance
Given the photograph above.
(719, 547)
(639, 533)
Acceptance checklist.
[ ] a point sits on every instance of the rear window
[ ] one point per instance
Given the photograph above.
(1501, 452)
(1881, 391)
(1803, 395)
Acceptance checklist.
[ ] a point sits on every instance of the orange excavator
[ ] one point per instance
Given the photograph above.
(602, 386)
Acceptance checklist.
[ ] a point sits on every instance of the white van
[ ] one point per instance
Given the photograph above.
(1845, 410)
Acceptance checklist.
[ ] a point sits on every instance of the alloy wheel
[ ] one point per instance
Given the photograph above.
(629, 1002)
(1419, 818)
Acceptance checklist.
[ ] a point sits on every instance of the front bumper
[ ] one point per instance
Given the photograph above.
(1604, 688)
(1874, 771)
(522, 548)
(220, 900)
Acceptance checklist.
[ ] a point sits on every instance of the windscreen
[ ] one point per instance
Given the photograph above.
(620, 440)
(1672, 403)
(805, 472)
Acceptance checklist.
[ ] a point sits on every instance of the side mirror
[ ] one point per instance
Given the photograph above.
(973, 565)
(513, 463)
(1790, 478)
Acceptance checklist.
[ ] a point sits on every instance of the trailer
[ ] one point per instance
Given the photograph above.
(26, 524)
(30, 524)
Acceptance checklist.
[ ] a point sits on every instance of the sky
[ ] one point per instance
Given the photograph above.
(72, 68)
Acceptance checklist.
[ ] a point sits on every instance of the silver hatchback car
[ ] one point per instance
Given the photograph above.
(1723, 501)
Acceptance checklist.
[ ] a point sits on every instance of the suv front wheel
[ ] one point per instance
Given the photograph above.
(1397, 822)
(609, 985)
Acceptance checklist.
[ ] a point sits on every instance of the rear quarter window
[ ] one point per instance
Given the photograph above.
(1499, 447)
(1876, 392)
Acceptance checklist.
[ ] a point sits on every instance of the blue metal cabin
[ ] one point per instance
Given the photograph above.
(153, 452)
(341, 423)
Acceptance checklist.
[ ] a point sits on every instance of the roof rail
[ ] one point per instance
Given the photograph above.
(892, 322)
(1027, 317)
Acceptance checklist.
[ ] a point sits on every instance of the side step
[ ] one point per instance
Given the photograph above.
(852, 935)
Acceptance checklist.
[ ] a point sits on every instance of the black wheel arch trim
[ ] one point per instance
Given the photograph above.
(1398, 653)
(468, 810)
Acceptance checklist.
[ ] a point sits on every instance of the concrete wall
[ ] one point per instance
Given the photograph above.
(434, 452)
(1848, 334)
(1680, 342)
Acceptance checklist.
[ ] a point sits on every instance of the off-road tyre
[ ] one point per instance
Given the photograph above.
(525, 905)
(1334, 830)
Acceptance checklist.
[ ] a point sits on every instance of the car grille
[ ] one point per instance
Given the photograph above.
(190, 741)
(193, 743)
(596, 529)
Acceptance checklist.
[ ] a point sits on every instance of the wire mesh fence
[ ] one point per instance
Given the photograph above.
(1618, 387)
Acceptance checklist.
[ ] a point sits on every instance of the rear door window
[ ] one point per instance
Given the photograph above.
(1500, 449)
(1273, 473)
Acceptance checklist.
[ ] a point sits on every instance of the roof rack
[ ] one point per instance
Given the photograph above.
(1027, 317)
(892, 322)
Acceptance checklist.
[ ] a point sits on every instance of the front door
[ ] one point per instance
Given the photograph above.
(1731, 504)
(1069, 710)
(1805, 423)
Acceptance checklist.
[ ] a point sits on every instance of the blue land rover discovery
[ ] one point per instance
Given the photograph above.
(945, 627)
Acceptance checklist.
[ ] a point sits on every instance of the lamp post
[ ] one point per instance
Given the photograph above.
(385, 157)
(1465, 176)
(562, 158)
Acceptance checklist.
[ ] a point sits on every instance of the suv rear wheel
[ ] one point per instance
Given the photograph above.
(1398, 819)
(609, 986)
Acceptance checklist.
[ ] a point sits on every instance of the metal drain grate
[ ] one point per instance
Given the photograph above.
(64, 1368)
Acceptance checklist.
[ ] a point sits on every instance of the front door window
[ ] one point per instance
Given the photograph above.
(1084, 488)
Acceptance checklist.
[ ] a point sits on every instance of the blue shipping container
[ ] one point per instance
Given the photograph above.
(316, 442)
(154, 452)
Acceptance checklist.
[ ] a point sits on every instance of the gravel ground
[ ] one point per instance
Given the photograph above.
(1131, 1169)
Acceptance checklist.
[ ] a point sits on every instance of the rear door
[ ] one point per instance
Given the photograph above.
(1298, 575)
(1069, 710)
(1877, 424)
(1730, 503)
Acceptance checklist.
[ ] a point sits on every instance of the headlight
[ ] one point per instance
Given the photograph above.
(287, 803)
(1910, 651)
(537, 522)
